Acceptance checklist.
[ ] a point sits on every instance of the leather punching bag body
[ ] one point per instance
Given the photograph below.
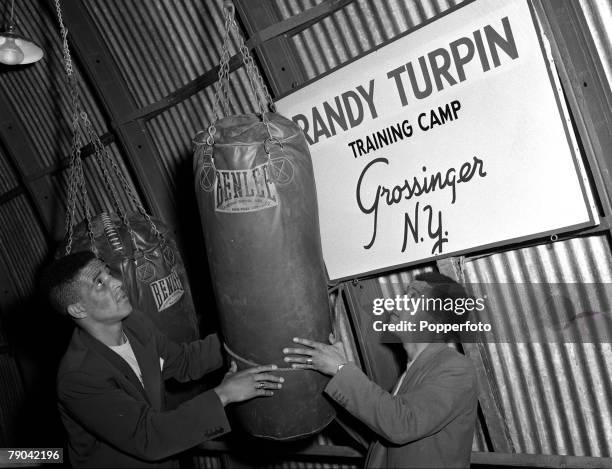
(258, 207)
(153, 276)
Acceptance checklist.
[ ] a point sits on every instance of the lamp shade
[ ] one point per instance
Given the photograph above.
(17, 50)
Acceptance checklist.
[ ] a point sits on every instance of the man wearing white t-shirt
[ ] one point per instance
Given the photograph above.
(110, 380)
(429, 418)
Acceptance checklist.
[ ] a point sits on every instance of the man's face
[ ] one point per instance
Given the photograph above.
(102, 295)
(410, 311)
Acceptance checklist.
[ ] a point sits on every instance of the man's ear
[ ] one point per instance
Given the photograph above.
(77, 311)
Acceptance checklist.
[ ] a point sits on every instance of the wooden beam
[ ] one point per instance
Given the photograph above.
(64, 163)
(278, 56)
(488, 395)
(380, 362)
(27, 162)
(585, 85)
(133, 137)
(10, 195)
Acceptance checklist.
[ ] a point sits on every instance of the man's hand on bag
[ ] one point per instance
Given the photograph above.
(247, 384)
(325, 358)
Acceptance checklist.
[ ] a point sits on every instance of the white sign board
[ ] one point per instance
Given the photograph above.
(445, 140)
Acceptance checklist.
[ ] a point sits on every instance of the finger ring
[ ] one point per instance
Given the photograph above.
(309, 361)
(259, 386)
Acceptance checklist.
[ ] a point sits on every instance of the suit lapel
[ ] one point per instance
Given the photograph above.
(148, 360)
(114, 359)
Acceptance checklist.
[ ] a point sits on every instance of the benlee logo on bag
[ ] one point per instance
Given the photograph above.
(245, 190)
(167, 291)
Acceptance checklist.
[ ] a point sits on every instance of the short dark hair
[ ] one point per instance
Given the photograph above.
(59, 280)
(445, 288)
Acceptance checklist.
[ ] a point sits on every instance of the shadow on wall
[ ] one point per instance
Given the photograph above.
(191, 238)
(38, 338)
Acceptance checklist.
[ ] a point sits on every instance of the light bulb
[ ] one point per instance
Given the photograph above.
(10, 52)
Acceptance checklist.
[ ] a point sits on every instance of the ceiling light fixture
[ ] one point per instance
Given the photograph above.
(16, 49)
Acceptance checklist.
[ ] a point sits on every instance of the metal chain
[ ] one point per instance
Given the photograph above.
(76, 179)
(253, 70)
(260, 90)
(221, 87)
(72, 188)
(85, 196)
(250, 70)
(102, 156)
(126, 186)
(64, 33)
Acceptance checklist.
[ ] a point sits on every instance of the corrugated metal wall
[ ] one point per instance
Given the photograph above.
(556, 396)
(8, 179)
(355, 29)
(159, 45)
(40, 93)
(22, 244)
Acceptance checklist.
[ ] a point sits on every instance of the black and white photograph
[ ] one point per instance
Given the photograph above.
(306, 234)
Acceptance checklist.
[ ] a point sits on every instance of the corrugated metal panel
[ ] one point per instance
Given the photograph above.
(11, 400)
(598, 14)
(39, 91)
(555, 396)
(8, 179)
(356, 28)
(99, 195)
(207, 462)
(159, 45)
(22, 244)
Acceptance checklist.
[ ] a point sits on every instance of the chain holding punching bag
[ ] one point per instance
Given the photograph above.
(138, 249)
(256, 193)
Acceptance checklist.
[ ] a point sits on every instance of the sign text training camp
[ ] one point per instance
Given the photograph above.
(441, 141)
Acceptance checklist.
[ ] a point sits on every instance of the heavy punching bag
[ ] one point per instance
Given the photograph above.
(256, 193)
(144, 255)
(137, 248)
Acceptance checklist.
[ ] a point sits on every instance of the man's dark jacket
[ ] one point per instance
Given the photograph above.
(113, 421)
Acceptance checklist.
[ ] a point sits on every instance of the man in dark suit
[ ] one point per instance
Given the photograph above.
(110, 380)
(428, 420)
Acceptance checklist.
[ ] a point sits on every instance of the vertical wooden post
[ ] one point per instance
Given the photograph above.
(380, 362)
(487, 391)
(584, 84)
(278, 57)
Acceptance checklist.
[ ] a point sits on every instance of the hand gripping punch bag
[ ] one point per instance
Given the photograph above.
(256, 193)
